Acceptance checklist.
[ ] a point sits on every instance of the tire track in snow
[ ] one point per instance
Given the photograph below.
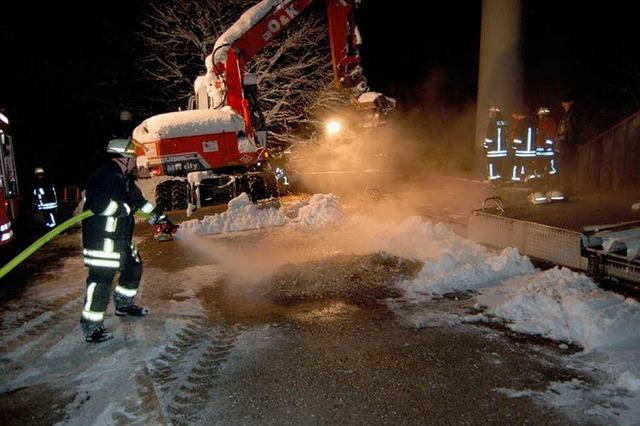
(51, 318)
(156, 377)
(193, 395)
(167, 395)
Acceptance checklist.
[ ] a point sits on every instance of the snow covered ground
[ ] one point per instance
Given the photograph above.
(556, 304)
(170, 355)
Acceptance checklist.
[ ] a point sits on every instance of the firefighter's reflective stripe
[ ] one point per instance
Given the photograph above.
(127, 292)
(112, 224)
(52, 221)
(127, 208)
(106, 257)
(90, 290)
(109, 245)
(493, 176)
(147, 208)
(102, 263)
(101, 254)
(528, 151)
(134, 252)
(515, 175)
(93, 316)
(499, 147)
(496, 154)
(111, 208)
(6, 235)
(47, 206)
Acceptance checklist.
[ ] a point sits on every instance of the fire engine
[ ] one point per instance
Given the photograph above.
(219, 145)
(9, 191)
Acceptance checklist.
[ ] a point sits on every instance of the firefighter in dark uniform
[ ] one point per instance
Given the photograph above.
(545, 144)
(495, 145)
(523, 133)
(45, 199)
(113, 196)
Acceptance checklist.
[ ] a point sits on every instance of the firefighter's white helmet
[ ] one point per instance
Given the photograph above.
(38, 171)
(494, 109)
(123, 147)
(543, 111)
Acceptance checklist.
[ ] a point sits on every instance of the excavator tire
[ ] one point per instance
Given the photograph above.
(257, 188)
(164, 195)
(242, 185)
(179, 195)
(270, 183)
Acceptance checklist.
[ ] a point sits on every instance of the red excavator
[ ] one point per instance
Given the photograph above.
(9, 191)
(219, 146)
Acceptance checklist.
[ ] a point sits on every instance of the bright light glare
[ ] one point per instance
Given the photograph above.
(334, 127)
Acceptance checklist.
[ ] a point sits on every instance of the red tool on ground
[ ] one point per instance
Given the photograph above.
(165, 231)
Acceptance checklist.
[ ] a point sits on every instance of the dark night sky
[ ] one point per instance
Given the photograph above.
(67, 67)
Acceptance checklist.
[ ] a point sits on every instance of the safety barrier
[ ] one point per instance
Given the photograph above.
(609, 162)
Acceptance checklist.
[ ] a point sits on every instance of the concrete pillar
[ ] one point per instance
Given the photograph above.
(500, 69)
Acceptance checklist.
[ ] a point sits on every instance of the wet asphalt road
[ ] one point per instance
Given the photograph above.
(323, 357)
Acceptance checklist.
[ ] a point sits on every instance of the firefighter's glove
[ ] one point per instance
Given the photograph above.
(157, 217)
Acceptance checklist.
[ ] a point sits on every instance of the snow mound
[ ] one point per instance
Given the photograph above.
(629, 382)
(563, 305)
(453, 263)
(242, 215)
(319, 210)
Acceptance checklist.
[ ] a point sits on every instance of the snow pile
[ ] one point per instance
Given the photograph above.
(188, 123)
(563, 305)
(319, 210)
(241, 215)
(629, 382)
(451, 263)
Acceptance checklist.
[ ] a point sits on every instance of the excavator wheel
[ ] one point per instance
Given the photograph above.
(242, 185)
(257, 188)
(179, 195)
(270, 183)
(164, 195)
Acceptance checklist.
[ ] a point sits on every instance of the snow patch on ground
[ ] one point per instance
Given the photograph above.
(558, 304)
(319, 210)
(242, 215)
(567, 306)
(451, 263)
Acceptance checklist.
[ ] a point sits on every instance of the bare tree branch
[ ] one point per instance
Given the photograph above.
(294, 72)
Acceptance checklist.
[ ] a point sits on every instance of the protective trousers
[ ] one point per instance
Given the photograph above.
(99, 287)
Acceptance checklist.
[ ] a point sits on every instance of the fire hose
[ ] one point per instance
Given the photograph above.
(167, 228)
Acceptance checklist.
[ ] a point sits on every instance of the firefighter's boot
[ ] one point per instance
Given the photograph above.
(94, 332)
(126, 307)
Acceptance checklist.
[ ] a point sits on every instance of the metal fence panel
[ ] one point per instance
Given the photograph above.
(544, 242)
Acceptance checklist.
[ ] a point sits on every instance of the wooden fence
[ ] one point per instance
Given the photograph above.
(610, 161)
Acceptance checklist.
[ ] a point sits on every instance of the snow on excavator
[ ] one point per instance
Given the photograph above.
(219, 146)
(9, 191)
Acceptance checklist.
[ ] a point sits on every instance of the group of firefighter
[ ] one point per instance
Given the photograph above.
(523, 151)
